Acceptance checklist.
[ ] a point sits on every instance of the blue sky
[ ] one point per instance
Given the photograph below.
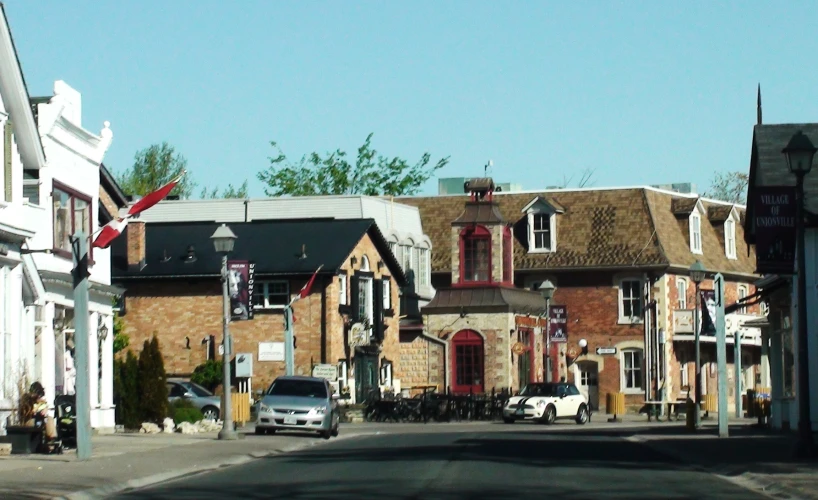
(642, 92)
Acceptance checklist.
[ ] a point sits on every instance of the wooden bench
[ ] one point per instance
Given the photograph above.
(673, 409)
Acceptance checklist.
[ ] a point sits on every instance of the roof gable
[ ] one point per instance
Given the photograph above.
(542, 205)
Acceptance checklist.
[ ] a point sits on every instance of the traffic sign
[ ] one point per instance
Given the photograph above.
(605, 350)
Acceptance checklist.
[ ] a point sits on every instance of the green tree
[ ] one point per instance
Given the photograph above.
(208, 374)
(370, 174)
(121, 340)
(730, 187)
(241, 192)
(153, 388)
(154, 167)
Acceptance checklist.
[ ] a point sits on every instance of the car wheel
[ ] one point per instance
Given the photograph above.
(259, 431)
(210, 413)
(582, 415)
(326, 434)
(508, 420)
(335, 429)
(550, 415)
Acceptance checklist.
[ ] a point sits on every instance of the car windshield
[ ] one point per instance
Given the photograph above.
(539, 390)
(300, 388)
(197, 389)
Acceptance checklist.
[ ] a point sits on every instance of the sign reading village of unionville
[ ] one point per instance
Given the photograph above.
(774, 221)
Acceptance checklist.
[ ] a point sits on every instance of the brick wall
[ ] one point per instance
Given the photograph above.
(175, 309)
(422, 361)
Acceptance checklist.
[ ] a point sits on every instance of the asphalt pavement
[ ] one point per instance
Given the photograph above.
(520, 461)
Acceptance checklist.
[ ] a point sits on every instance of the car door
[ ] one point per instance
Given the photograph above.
(175, 391)
(573, 400)
(562, 403)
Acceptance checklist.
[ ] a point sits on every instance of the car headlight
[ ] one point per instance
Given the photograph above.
(318, 410)
(540, 403)
(262, 408)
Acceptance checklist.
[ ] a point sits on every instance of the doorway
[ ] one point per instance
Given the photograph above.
(366, 376)
(588, 382)
(468, 362)
(524, 363)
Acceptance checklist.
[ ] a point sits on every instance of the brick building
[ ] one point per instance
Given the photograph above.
(171, 274)
(620, 260)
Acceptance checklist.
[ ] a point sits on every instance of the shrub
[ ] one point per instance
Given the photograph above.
(126, 391)
(183, 410)
(208, 374)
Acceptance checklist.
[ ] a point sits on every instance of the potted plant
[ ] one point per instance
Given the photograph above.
(26, 430)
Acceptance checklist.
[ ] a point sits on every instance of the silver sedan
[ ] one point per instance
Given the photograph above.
(299, 404)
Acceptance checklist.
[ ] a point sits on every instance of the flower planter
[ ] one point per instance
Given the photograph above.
(24, 439)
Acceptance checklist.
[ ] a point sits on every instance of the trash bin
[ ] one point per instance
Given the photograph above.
(615, 405)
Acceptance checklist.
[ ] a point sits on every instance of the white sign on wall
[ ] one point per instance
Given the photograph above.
(271, 351)
(329, 372)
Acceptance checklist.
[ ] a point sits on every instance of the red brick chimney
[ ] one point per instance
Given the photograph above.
(135, 232)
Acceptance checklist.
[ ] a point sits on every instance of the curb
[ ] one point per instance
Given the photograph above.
(731, 474)
(164, 477)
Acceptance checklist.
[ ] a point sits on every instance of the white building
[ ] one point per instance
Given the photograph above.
(21, 291)
(399, 223)
(64, 197)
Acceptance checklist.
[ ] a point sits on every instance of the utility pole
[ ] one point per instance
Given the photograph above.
(79, 249)
(721, 354)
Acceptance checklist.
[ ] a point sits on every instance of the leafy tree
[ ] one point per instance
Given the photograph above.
(121, 340)
(730, 187)
(241, 192)
(370, 174)
(154, 167)
(208, 374)
(153, 390)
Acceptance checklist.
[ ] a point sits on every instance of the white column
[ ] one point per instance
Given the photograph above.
(48, 360)
(93, 366)
(107, 402)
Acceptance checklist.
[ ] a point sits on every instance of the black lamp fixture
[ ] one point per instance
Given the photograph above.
(191, 255)
(799, 153)
(353, 261)
(380, 264)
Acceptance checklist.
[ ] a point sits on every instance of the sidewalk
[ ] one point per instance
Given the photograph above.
(753, 458)
(123, 461)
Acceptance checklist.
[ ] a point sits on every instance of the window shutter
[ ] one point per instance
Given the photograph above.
(377, 311)
(353, 295)
(7, 145)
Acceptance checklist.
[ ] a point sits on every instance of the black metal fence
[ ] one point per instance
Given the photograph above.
(436, 407)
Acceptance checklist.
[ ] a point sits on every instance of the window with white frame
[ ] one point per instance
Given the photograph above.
(71, 213)
(684, 377)
(424, 269)
(730, 238)
(630, 301)
(365, 309)
(681, 291)
(696, 232)
(342, 289)
(271, 294)
(541, 235)
(406, 256)
(742, 294)
(393, 246)
(631, 370)
(387, 294)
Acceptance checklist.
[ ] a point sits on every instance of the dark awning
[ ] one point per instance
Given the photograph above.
(485, 299)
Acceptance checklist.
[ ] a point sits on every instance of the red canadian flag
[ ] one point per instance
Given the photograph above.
(305, 290)
(114, 228)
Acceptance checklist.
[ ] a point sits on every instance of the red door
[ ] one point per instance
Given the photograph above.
(467, 363)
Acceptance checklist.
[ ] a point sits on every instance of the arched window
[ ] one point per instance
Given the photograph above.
(508, 268)
(467, 362)
(475, 255)
(365, 263)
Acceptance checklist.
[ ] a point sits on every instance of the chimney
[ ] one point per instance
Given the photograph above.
(135, 232)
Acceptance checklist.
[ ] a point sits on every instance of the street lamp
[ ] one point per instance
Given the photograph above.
(547, 288)
(223, 241)
(799, 153)
(697, 274)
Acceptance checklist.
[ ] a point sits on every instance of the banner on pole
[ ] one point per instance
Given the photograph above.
(558, 324)
(240, 285)
(708, 312)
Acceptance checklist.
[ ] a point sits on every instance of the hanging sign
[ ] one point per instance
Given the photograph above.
(240, 288)
(774, 224)
(558, 324)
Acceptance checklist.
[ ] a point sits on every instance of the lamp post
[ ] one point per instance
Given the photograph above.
(223, 240)
(799, 153)
(697, 273)
(547, 288)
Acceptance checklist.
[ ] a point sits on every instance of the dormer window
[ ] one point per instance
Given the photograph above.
(541, 218)
(475, 255)
(695, 232)
(730, 238)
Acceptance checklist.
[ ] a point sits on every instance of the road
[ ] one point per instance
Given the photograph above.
(461, 462)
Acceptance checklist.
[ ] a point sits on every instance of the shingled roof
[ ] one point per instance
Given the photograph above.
(600, 228)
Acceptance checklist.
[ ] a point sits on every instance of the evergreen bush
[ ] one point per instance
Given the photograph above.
(126, 391)
(153, 389)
